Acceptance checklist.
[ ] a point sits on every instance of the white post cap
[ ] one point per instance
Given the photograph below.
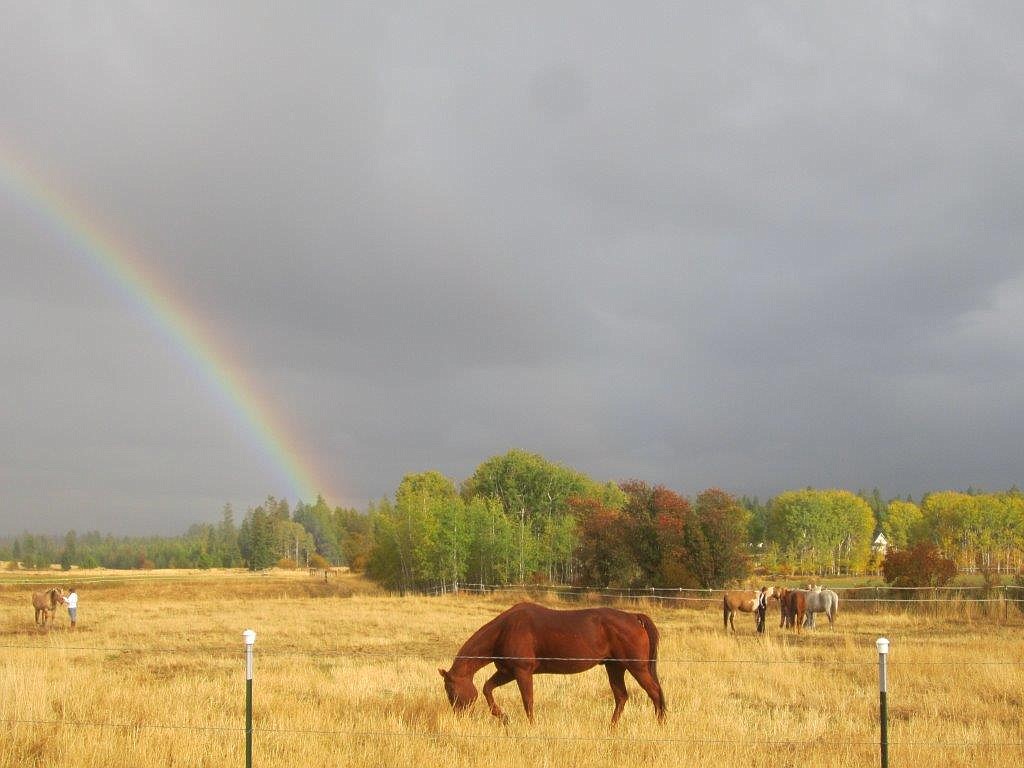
(250, 636)
(882, 644)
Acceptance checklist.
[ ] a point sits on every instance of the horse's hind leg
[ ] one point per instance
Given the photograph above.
(653, 688)
(617, 680)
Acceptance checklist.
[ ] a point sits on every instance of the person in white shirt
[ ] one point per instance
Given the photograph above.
(72, 602)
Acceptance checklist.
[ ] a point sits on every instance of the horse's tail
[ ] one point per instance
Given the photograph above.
(725, 612)
(652, 641)
(652, 663)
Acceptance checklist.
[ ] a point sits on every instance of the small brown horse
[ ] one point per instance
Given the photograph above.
(744, 600)
(46, 604)
(530, 639)
(792, 607)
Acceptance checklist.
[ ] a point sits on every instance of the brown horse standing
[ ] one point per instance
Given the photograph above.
(46, 604)
(742, 600)
(792, 608)
(530, 639)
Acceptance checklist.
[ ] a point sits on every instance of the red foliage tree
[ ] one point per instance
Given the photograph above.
(605, 554)
(684, 553)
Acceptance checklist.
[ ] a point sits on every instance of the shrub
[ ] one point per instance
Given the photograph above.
(287, 563)
(316, 560)
(921, 566)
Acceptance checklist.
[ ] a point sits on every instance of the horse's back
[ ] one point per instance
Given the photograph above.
(590, 635)
(742, 600)
(797, 599)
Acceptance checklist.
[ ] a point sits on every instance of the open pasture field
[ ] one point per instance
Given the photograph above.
(345, 675)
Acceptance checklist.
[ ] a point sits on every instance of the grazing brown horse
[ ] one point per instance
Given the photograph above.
(46, 604)
(530, 639)
(743, 600)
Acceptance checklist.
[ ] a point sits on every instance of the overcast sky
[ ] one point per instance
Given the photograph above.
(757, 247)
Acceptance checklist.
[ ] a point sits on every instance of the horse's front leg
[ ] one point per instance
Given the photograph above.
(525, 681)
(498, 678)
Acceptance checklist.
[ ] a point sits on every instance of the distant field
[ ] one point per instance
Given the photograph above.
(154, 675)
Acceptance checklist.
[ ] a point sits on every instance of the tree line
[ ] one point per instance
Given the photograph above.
(977, 531)
(521, 518)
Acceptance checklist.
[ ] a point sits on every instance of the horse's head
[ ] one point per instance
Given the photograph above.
(460, 690)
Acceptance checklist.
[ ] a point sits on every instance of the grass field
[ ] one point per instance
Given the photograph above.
(154, 676)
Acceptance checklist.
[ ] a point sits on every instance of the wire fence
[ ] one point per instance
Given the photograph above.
(506, 736)
(707, 592)
(1010, 594)
(356, 652)
(1002, 595)
(230, 652)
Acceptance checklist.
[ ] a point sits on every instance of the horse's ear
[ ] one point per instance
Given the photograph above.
(443, 673)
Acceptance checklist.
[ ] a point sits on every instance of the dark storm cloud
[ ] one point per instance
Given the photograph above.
(760, 247)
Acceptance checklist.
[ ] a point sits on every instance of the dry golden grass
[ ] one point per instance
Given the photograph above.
(154, 675)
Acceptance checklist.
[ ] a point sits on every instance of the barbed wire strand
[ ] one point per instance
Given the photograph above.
(703, 594)
(230, 653)
(501, 736)
(479, 588)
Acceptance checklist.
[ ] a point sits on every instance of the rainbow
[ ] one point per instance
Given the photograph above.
(155, 299)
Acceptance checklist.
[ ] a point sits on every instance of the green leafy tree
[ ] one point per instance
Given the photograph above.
(535, 493)
(406, 534)
(491, 534)
(902, 526)
(725, 524)
(354, 532)
(318, 520)
(822, 530)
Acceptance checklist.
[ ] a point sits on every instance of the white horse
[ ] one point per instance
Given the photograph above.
(821, 601)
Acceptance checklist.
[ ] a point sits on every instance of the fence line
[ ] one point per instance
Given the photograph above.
(639, 594)
(504, 736)
(478, 586)
(70, 578)
(249, 730)
(360, 653)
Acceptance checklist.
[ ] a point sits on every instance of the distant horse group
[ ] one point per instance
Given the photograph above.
(45, 604)
(798, 606)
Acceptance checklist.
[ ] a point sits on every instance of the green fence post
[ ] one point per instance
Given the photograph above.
(883, 688)
(250, 640)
